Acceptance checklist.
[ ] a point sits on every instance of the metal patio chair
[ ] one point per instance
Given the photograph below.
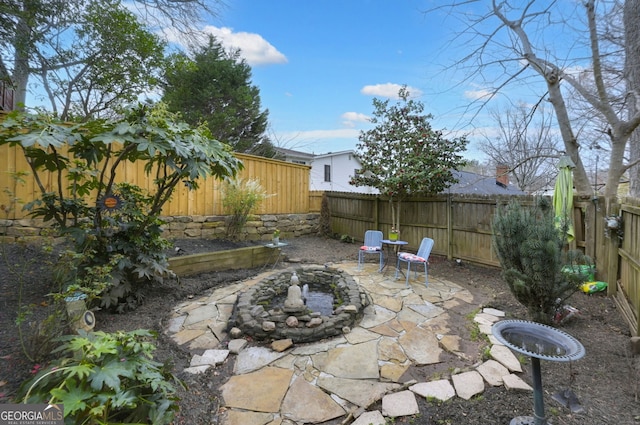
(372, 245)
(421, 257)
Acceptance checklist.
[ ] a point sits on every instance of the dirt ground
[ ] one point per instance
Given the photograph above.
(605, 380)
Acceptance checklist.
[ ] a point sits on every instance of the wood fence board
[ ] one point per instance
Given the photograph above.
(290, 182)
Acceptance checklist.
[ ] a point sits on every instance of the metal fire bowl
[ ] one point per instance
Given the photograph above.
(537, 340)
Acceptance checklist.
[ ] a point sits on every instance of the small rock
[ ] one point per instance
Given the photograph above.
(351, 309)
(235, 332)
(195, 370)
(281, 345)
(292, 321)
(268, 326)
(236, 345)
(315, 322)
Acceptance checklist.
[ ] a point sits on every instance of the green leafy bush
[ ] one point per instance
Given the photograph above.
(106, 378)
(115, 245)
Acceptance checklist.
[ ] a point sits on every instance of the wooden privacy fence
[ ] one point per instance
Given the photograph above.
(287, 183)
(623, 261)
(460, 225)
(461, 228)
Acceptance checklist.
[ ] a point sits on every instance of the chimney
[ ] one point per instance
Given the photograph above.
(502, 175)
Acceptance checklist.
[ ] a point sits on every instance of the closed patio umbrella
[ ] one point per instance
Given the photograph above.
(563, 197)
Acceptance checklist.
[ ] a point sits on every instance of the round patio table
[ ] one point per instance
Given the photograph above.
(392, 247)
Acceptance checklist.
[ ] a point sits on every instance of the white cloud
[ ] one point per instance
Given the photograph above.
(253, 48)
(477, 94)
(351, 118)
(389, 90)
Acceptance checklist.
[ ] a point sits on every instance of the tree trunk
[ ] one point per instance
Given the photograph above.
(631, 21)
(20, 76)
(580, 179)
(616, 169)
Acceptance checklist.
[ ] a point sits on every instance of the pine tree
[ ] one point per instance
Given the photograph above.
(532, 253)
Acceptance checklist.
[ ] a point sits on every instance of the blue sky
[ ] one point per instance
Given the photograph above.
(319, 65)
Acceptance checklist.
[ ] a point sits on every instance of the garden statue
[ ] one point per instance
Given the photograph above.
(294, 300)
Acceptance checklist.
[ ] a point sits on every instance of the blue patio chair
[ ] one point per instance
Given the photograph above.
(372, 245)
(421, 257)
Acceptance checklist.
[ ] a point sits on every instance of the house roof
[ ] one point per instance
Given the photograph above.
(291, 152)
(472, 183)
(328, 154)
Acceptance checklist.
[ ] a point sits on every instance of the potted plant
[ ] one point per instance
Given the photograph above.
(393, 234)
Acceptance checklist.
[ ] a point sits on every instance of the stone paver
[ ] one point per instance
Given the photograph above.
(505, 356)
(393, 372)
(440, 389)
(358, 361)
(285, 384)
(254, 358)
(514, 382)
(370, 418)
(468, 384)
(357, 391)
(317, 407)
(209, 357)
(402, 403)
(390, 350)
(493, 312)
(492, 372)
(421, 346)
(234, 417)
(242, 392)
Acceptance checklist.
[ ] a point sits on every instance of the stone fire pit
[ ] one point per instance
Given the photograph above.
(261, 313)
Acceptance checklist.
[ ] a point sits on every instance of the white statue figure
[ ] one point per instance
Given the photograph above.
(294, 295)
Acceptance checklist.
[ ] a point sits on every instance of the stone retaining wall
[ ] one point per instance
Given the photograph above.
(258, 228)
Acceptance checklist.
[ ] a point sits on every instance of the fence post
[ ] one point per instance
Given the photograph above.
(449, 228)
(376, 213)
(612, 245)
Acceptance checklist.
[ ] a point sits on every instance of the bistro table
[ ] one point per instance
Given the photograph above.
(392, 248)
(277, 252)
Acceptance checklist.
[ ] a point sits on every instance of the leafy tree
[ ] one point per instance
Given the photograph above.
(115, 246)
(88, 55)
(531, 252)
(403, 156)
(111, 61)
(215, 88)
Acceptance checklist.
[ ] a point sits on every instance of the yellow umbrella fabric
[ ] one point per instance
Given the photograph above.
(563, 197)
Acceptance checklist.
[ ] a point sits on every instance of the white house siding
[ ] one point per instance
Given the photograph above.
(343, 166)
